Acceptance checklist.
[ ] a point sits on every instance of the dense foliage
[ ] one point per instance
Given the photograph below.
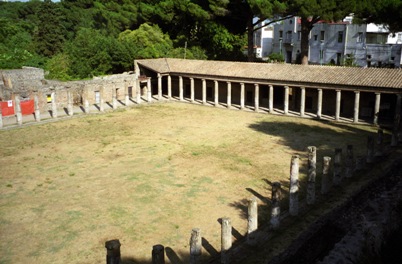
(75, 39)
(82, 38)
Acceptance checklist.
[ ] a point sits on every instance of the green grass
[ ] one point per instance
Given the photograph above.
(146, 176)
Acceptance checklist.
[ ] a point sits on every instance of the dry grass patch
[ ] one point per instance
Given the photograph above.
(146, 176)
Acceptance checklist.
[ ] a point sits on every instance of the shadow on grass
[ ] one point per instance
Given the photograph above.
(299, 136)
(170, 255)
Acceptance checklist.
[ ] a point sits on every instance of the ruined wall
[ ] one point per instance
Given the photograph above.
(28, 82)
(20, 81)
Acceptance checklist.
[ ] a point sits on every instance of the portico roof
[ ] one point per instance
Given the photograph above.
(287, 74)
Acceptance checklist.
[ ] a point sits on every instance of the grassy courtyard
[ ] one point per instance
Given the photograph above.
(147, 175)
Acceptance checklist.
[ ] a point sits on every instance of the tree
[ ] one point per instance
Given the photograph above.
(387, 12)
(148, 41)
(312, 11)
(245, 17)
(50, 34)
(91, 54)
(16, 45)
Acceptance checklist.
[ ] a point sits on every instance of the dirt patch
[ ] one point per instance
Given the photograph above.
(146, 176)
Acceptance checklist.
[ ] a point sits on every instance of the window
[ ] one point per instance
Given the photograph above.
(322, 36)
(340, 36)
(359, 37)
(290, 21)
(315, 37)
(280, 33)
(298, 35)
(376, 38)
(289, 36)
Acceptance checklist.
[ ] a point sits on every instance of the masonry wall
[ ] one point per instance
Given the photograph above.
(27, 82)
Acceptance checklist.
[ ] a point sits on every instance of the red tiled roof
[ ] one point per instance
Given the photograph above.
(288, 73)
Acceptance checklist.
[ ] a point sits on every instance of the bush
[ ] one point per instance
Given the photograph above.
(276, 57)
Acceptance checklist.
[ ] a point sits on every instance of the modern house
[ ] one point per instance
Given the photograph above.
(263, 38)
(340, 43)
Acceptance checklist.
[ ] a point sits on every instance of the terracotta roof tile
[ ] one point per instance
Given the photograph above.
(334, 75)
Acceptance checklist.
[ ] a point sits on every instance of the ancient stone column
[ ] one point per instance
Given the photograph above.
(70, 102)
(54, 104)
(286, 101)
(37, 108)
(338, 105)
(380, 141)
(114, 98)
(102, 98)
(325, 183)
(349, 161)
(312, 172)
(181, 98)
(216, 93)
(370, 149)
(256, 97)
(252, 223)
(86, 101)
(276, 207)
(113, 251)
(138, 92)
(294, 186)
(319, 103)
(149, 90)
(192, 90)
(159, 86)
(204, 91)
(302, 101)
(356, 107)
(226, 239)
(229, 96)
(169, 79)
(195, 246)
(377, 108)
(17, 109)
(242, 94)
(158, 254)
(126, 95)
(337, 179)
(271, 99)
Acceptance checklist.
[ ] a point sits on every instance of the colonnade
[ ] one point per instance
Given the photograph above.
(302, 113)
(241, 102)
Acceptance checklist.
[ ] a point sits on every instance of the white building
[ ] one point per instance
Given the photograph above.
(263, 38)
(341, 43)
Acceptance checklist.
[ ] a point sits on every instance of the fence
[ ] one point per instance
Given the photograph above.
(344, 166)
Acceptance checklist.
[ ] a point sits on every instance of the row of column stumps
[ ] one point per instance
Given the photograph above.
(350, 165)
(158, 251)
